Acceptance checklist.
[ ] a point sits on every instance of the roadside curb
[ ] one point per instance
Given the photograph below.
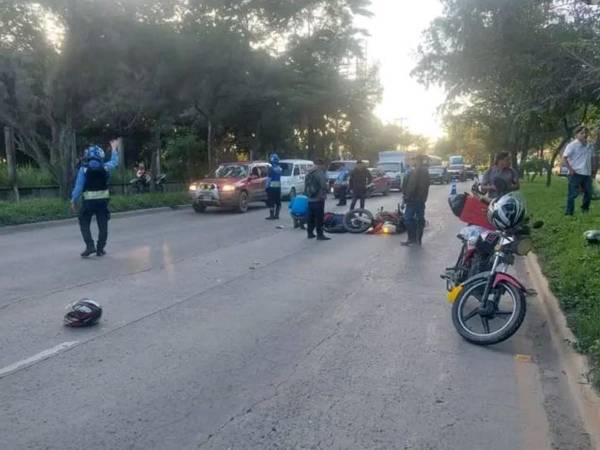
(576, 365)
(9, 229)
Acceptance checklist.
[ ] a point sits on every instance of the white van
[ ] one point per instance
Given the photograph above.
(294, 173)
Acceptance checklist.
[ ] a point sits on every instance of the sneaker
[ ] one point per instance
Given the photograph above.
(100, 252)
(88, 251)
(311, 236)
(408, 243)
(323, 238)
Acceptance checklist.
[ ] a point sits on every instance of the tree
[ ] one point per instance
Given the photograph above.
(510, 70)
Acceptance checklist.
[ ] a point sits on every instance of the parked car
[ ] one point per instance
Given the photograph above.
(294, 173)
(381, 184)
(233, 185)
(438, 174)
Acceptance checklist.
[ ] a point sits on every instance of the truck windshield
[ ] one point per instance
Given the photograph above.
(390, 167)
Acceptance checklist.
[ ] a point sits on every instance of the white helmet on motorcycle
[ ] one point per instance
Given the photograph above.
(507, 212)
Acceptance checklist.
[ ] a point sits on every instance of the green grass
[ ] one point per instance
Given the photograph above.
(570, 264)
(41, 210)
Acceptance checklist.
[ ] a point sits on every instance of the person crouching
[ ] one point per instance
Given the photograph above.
(299, 211)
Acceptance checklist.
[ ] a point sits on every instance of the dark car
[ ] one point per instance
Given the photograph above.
(438, 174)
(457, 171)
(233, 185)
(381, 184)
(470, 173)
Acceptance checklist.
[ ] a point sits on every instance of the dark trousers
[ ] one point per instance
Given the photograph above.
(343, 194)
(273, 197)
(575, 182)
(414, 219)
(99, 208)
(299, 221)
(316, 212)
(358, 196)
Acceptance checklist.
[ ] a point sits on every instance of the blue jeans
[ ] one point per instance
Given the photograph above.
(414, 218)
(575, 181)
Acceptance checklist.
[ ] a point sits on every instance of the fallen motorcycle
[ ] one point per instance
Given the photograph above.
(362, 221)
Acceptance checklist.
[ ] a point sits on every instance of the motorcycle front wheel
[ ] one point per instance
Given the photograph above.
(488, 326)
(358, 220)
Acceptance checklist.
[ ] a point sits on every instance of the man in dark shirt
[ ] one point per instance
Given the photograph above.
(360, 178)
(416, 191)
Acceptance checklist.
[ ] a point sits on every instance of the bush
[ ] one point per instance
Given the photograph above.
(27, 176)
(41, 210)
(570, 264)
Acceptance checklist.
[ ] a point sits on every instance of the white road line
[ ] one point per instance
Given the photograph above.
(39, 357)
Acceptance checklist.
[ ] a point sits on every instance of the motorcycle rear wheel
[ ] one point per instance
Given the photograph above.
(466, 311)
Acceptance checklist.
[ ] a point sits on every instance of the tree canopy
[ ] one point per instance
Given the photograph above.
(244, 78)
(520, 74)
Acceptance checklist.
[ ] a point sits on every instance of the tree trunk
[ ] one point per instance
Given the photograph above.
(555, 154)
(568, 129)
(64, 154)
(209, 138)
(155, 159)
(11, 160)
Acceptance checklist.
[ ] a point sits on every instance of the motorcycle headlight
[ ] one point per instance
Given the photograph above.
(193, 187)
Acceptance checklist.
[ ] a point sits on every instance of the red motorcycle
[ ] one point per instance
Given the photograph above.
(488, 304)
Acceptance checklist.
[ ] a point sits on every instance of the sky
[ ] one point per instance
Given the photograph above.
(396, 29)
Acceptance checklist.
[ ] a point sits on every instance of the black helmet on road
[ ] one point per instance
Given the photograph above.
(83, 313)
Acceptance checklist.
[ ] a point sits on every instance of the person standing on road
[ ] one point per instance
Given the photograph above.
(501, 178)
(360, 178)
(92, 182)
(578, 159)
(316, 190)
(416, 192)
(274, 188)
(342, 181)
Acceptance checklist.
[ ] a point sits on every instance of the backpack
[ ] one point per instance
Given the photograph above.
(312, 187)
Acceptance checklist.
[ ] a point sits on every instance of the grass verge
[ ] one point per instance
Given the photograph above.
(41, 210)
(571, 265)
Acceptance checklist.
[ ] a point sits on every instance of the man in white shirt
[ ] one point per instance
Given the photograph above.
(578, 159)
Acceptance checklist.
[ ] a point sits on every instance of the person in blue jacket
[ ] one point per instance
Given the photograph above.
(274, 188)
(342, 181)
(92, 184)
(299, 211)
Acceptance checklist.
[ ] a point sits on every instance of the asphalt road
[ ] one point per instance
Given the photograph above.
(222, 331)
